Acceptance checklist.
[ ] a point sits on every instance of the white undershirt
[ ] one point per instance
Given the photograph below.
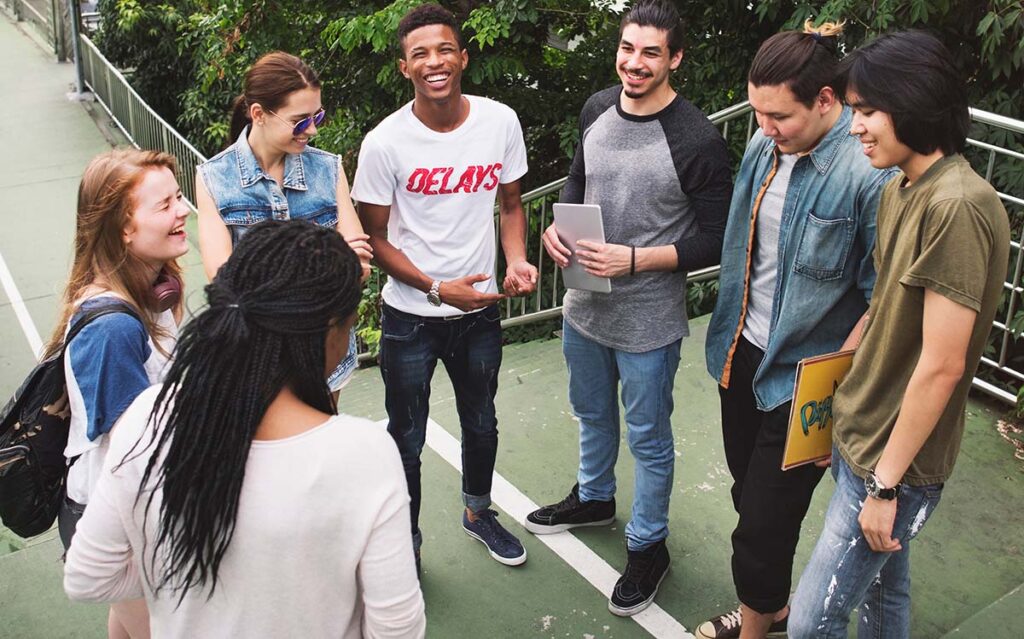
(765, 263)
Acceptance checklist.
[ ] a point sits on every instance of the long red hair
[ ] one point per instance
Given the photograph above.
(106, 204)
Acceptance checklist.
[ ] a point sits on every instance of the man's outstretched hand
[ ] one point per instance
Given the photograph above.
(461, 294)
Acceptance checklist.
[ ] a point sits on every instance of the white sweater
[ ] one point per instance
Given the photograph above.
(322, 545)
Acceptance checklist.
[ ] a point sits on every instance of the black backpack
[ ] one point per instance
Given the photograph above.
(34, 429)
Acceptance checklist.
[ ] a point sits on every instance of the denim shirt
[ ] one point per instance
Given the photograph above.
(245, 195)
(825, 269)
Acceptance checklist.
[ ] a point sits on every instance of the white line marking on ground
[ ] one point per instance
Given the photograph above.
(506, 496)
(27, 325)
(573, 551)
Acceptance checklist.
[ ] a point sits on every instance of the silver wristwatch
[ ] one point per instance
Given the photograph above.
(434, 294)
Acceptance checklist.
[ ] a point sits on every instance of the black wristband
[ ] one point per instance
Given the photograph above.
(632, 260)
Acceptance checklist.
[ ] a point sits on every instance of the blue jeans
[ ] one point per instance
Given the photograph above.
(595, 372)
(348, 365)
(844, 572)
(470, 348)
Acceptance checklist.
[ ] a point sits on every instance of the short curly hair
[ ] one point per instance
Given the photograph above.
(424, 16)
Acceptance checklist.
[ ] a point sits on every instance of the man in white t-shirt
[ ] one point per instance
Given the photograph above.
(426, 185)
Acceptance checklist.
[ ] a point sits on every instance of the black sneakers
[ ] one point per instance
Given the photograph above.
(570, 513)
(727, 626)
(636, 588)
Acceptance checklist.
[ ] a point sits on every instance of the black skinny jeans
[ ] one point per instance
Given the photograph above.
(470, 349)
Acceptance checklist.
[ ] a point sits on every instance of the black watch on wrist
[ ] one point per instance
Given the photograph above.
(875, 488)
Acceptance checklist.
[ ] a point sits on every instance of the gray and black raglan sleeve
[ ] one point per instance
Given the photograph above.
(701, 160)
(576, 184)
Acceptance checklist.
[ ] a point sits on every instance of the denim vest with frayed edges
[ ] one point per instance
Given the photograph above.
(825, 269)
(245, 195)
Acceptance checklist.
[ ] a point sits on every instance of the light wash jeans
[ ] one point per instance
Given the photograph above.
(595, 372)
(844, 573)
(348, 365)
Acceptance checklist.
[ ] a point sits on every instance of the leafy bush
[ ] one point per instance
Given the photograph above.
(186, 58)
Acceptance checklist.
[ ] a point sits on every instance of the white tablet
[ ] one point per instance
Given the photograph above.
(575, 222)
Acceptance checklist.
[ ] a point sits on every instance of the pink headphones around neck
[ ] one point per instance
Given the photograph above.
(166, 291)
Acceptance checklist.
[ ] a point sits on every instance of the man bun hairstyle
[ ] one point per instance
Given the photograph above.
(911, 76)
(269, 82)
(659, 14)
(270, 308)
(805, 61)
(426, 15)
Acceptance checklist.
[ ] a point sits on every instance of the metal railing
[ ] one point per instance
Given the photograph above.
(146, 129)
(1003, 326)
(136, 119)
(546, 301)
(49, 18)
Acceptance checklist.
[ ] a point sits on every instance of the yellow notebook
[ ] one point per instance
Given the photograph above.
(809, 437)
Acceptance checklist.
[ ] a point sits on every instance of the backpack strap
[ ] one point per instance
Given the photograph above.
(115, 306)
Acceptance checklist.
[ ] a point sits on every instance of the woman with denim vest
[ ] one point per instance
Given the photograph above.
(130, 230)
(269, 172)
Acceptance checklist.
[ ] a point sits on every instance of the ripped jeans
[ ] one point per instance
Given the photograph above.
(844, 573)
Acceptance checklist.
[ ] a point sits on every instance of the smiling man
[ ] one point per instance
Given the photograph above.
(941, 253)
(796, 276)
(659, 170)
(426, 184)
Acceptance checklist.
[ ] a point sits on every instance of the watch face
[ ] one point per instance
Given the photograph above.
(871, 485)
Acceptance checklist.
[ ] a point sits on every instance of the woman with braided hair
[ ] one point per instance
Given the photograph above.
(243, 505)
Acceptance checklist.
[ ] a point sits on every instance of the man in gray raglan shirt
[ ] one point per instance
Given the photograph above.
(659, 170)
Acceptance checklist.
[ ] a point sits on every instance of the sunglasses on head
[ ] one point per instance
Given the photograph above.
(303, 124)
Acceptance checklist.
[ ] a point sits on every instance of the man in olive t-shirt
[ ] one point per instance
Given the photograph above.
(941, 252)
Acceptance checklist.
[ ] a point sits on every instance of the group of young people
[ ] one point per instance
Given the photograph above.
(232, 499)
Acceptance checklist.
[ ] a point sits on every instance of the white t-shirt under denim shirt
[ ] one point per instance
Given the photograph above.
(108, 364)
(441, 188)
(764, 266)
(321, 547)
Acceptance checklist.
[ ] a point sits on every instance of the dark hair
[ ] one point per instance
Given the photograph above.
(268, 83)
(805, 61)
(270, 307)
(911, 76)
(659, 14)
(424, 16)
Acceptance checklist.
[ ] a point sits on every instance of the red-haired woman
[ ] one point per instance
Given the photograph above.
(130, 231)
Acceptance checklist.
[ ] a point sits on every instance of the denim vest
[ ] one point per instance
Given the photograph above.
(825, 268)
(246, 195)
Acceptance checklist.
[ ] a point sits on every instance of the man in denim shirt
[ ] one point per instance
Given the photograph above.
(796, 276)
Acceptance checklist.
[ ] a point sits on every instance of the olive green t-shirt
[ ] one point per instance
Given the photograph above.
(947, 232)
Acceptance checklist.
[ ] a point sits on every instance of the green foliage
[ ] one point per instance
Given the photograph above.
(187, 57)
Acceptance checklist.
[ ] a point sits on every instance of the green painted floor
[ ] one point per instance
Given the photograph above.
(968, 567)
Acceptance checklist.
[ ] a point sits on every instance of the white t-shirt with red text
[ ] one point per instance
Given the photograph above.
(441, 188)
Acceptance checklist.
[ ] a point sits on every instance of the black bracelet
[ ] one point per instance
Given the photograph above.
(632, 260)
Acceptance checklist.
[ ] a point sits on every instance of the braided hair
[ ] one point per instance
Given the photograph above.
(270, 308)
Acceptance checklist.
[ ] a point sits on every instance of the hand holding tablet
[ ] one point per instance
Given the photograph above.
(575, 222)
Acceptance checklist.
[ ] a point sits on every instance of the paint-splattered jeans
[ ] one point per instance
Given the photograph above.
(470, 348)
(595, 372)
(844, 573)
